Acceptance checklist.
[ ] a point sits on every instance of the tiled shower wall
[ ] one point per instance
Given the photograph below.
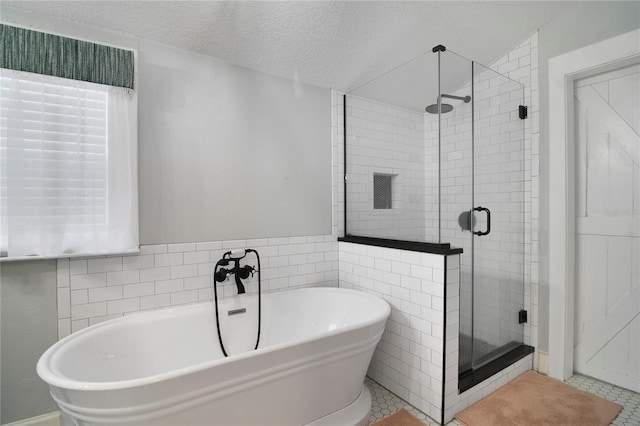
(521, 64)
(514, 182)
(497, 182)
(96, 289)
(506, 180)
(383, 139)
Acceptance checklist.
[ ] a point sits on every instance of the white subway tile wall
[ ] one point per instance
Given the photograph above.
(521, 64)
(408, 360)
(514, 187)
(452, 332)
(506, 261)
(496, 181)
(92, 290)
(388, 140)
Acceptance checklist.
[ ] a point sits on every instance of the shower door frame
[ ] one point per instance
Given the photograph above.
(563, 71)
(512, 351)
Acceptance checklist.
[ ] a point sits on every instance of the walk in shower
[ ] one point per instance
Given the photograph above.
(435, 158)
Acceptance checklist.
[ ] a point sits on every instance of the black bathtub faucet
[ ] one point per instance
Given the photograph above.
(230, 265)
(240, 272)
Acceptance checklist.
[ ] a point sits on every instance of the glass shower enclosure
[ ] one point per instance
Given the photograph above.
(439, 159)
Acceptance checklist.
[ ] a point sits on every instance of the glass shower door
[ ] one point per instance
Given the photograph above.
(483, 210)
(497, 212)
(455, 134)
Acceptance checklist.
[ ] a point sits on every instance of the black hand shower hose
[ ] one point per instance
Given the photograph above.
(223, 262)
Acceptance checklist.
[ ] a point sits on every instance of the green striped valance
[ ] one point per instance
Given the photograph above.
(36, 52)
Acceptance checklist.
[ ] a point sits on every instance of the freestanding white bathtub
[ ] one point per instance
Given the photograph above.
(166, 368)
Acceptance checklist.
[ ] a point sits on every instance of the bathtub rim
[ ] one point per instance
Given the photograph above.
(47, 374)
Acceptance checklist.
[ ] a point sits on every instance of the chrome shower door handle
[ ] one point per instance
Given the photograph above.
(484, 209)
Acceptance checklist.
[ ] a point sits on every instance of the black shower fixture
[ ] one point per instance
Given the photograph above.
(444, 108)
(221, 274)
(240, 272)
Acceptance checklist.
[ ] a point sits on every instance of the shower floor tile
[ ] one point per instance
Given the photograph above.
(385, 403)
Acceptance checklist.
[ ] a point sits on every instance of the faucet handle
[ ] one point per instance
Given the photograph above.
(222, 275)
(245, 271)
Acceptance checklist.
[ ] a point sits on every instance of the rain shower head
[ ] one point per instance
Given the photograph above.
(433, 109)
(445, 108)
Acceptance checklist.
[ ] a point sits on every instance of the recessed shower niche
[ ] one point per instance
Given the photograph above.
(386, 191)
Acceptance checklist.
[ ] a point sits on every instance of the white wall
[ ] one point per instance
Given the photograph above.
(229, 153)
(225, 152)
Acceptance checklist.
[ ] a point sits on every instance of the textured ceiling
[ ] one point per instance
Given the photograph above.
(331, 44)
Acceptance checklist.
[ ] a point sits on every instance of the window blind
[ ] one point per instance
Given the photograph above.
(57, 168)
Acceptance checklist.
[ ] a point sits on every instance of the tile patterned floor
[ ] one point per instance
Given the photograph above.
(630, 401)
(385, 403)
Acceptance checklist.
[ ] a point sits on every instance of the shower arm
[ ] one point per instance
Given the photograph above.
(441, 107)
(466, 99)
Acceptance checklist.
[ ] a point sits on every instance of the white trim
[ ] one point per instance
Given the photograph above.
(563, 70)
(51, 419)
(71, 255)
(543, 363)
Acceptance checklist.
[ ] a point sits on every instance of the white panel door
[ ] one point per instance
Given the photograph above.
(607, 226)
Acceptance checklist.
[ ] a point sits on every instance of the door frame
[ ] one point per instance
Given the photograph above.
(564, 69)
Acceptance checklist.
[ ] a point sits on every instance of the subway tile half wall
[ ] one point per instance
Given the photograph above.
(92, 290)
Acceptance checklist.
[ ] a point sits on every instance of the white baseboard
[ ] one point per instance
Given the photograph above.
(51, 419)
(543, 362)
